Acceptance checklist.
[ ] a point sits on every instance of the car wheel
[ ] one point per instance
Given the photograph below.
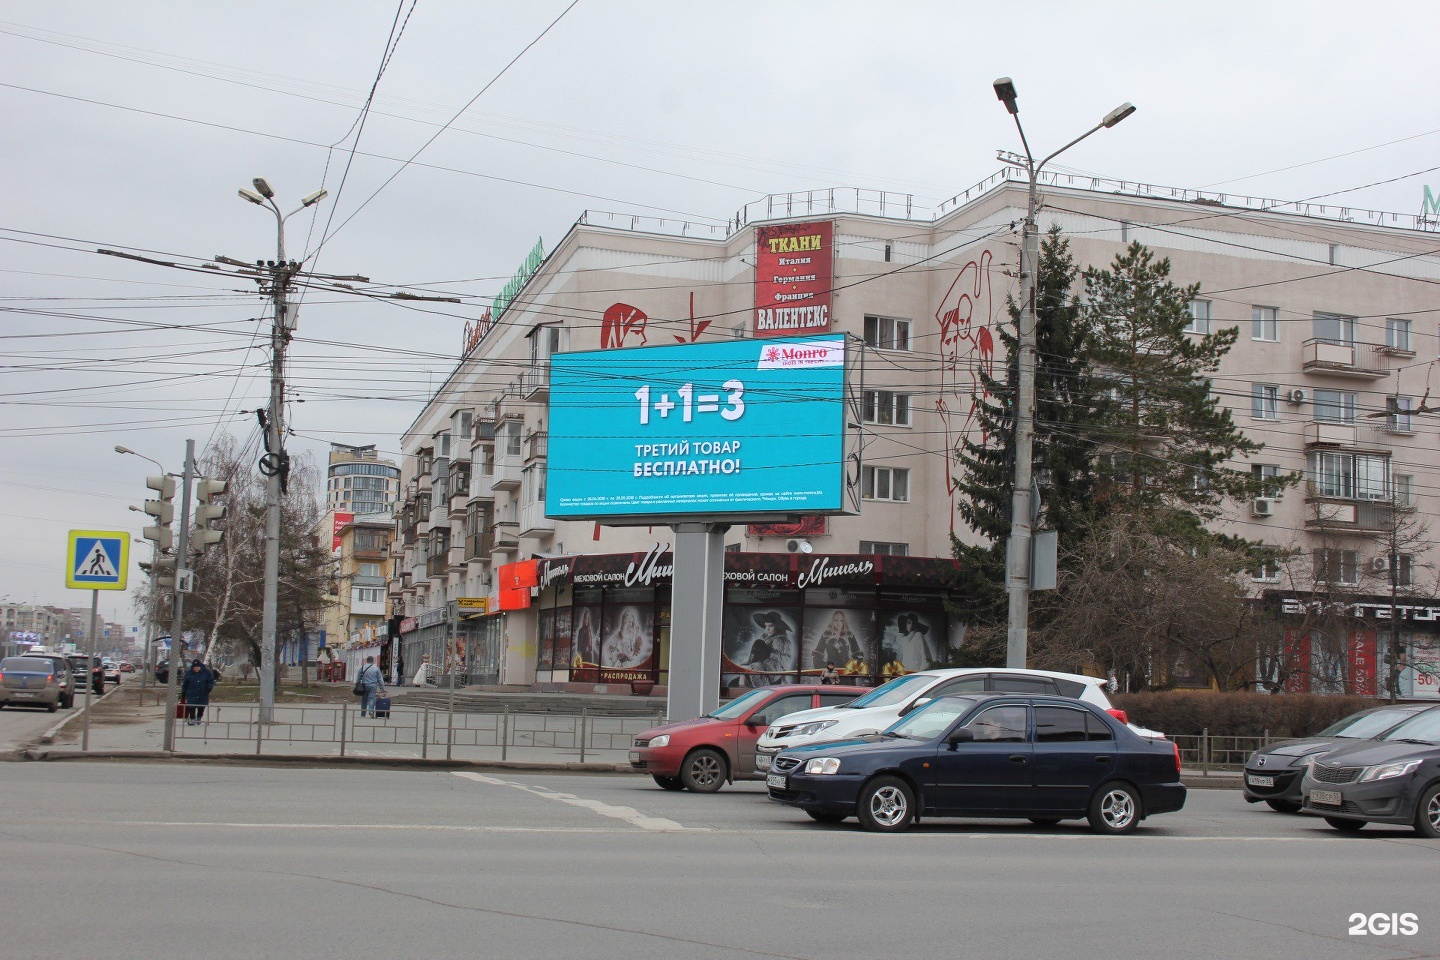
(1115, 809)
(703, 771)
(52, 707)
(667, 783)
(821, 817)
(1427, 812)
(1346, 826)
(886, 805)
(1283, 806)
(1044, 821)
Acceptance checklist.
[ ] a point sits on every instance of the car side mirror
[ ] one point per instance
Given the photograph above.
(757, 722)
(962, 735)
(915, 705)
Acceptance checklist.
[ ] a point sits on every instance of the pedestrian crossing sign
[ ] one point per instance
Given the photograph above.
(97, 560)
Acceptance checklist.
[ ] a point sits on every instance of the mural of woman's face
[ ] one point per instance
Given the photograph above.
(837, 622)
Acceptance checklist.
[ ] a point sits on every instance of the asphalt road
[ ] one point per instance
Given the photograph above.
(126, 860)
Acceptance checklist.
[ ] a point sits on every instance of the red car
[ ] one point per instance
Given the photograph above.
(703, 754)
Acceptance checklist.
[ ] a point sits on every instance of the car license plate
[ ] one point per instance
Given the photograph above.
(21, 695)
(634, 756)
(1260, 781)
(776, 780)
(1330, 798)
(762, 762)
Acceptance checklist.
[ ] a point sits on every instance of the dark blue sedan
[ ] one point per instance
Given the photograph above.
(1045, 759)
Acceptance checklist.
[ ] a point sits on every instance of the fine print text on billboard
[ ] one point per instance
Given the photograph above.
(793, 277)
(733, 428)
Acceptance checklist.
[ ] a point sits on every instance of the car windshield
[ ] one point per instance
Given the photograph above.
(1423, 728)
(896, 691)
(1363, 726)
(737, 707)
(931, 720)
(25, 665)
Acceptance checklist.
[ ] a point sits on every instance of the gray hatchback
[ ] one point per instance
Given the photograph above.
(32, 682)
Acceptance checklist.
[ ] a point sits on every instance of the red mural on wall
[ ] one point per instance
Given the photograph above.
(967, 320)
(619, 324)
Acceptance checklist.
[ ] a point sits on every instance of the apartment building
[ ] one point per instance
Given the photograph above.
(1338, 338)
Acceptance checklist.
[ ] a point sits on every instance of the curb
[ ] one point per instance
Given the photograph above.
(49, 735)
(404, 763)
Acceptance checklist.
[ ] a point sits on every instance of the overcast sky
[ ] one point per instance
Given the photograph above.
(131, 126)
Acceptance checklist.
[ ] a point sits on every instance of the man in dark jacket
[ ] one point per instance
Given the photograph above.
(195, 687)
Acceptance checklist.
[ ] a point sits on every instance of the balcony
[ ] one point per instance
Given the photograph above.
(535, 383)
(507, 471)
(1360, 360)
(534, 523)
(435, 567)
(1348, 436)
(482, 486)
(501, 538)
(484, 433)
(1334, 515)
(536, 446)
(475, 548)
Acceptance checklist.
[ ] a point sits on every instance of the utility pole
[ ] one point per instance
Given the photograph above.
(1018, 548)
(182, 587)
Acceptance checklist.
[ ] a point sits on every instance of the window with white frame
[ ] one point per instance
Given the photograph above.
(1350, 476)
(887, 407)
(1336, 566)
(1199, 317)
(1402, 487)
(467, 420)
(1397, 334)
(1267, 572)
(1264, 323)
(1264, 401)
(885, 549)
(887, 333)
(368, 594)
(534, 483)
(1397, 415)
(1334, 406)
(1334, 328)
(1268, 474)
(512, 439)
(886, 483)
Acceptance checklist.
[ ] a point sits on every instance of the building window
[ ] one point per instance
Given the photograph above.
(1336, 566)
(1397, 334)
(1264, 401)
(1404, 490)
(1404, 570)
(467, 420)
(1397, 415)
(885, 407)
(368, 594)
(1264, 324)
(883, 549)
(1268, 572)
(512, 439)
(1199, 317)
(886, 483)
(1266, 473)
(1335, 328)
(887, 333)
(1350, 476)
(1334, 406)
(534, 483)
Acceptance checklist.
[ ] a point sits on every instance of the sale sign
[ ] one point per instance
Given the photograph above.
(342, 520)
(793, 276)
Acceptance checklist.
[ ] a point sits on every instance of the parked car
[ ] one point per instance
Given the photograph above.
(881, 707)
(32, 682)
(1394, 778)
(1045, 759)
(703, 754)
(62, 665)
(1273, 773)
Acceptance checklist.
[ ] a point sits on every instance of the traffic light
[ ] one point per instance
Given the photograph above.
(207, 512)
(163, 510)
(164, 572)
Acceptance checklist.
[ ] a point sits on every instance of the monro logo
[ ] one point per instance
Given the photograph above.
(1432, 204)
(826, 353)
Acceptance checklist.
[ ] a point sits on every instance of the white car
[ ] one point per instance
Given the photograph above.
(887, 703)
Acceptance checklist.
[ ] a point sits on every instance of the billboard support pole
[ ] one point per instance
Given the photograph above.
(698, 595)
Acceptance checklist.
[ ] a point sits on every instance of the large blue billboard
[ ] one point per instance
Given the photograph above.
(733, 428)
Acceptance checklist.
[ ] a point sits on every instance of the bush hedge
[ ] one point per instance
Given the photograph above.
(1188, 712)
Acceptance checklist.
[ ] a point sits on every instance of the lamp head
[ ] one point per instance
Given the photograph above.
(252, 196)
(1005, 93)
(263, 188)
(120, 449)
(314, 198)
(1118, 114)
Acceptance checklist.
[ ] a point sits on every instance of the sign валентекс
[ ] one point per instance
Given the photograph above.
(793, 276)
(733, 428)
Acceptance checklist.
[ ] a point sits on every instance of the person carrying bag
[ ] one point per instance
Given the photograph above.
(368, 684)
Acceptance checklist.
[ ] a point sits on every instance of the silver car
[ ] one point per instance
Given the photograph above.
(32, 682)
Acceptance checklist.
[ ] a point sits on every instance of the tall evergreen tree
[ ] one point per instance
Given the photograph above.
(1068, 401)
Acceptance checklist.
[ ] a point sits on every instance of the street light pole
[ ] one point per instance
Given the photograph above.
(1017, 559)
(275, 463)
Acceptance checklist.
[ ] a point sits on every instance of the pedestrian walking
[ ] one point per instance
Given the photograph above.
(372, 683)
(195, 687)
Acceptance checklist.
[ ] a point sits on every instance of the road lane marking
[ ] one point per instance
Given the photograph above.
(626, 814)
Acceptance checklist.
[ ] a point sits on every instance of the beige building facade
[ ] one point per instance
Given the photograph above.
(1336, 310)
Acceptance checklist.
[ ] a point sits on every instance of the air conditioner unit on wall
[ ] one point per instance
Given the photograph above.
(1262, 507)
(1296, 397)
(1379, 564)
(798, 546)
